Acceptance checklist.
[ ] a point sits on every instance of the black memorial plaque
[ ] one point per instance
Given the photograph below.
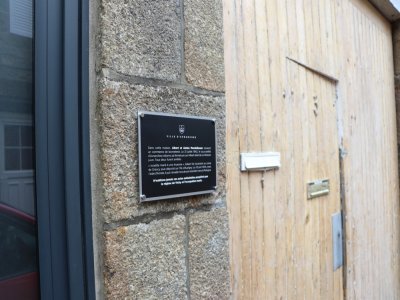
(177, 155)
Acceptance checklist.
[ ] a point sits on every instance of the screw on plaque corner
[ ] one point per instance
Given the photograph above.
(142, 197)
(141, 114)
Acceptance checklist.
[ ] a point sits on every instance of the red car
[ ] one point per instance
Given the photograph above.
(19, 277)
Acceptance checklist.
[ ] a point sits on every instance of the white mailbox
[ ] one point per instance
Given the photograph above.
(260, 161)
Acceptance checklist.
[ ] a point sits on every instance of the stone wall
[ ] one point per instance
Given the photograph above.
(161, 56)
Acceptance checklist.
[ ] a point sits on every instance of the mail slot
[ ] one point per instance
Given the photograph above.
(261, 161)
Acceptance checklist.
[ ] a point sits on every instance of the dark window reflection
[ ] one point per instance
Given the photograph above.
(18, 243)
(26, 136)
(11, 136)
(18, 261)
(12, 158)
(26, 159)
(18, 147)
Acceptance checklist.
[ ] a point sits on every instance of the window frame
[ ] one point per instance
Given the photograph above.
(62, 149)
(19, 147)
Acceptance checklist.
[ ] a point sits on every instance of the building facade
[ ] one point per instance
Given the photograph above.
(315, 82)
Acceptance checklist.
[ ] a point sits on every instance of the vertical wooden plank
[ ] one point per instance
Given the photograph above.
(309, 219)
(309, 48)
(370, 124)
(367, 60)
(266, 211)
(301, 30)
(323, 173)
(316, 60)
(232, 142)
(332, 59)
(290, 213)
(251, 83)
(385, 207)
(301, 154)
(316, 152)
(243, 147)
(358, 140)
(311, 228)
(275, 41)
(315, 173)
(385, 239)
(292, 35)
(298, 189)
(337, 57)
(314, 238)
(323, 36)
(375, 54)
(334, 280)
(290, 216)
(276, 98)
(283, 111)
(334, 206)
(323, 121)
(345, 38)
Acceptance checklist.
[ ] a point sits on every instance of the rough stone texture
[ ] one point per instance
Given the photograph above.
(147, 261)
(119, 103)
(208, 258)
(142, 37)
(204, 46)
(169, 249)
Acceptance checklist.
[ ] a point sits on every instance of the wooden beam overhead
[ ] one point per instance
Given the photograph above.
(389, 8)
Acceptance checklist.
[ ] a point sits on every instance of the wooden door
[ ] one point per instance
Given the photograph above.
(289, 241)
(311, 79)
(313, 152)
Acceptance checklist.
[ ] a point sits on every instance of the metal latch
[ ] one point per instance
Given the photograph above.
(337, 240)
(261, 161)
(317, 188)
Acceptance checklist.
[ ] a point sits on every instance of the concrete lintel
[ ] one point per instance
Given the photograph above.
(389, 8)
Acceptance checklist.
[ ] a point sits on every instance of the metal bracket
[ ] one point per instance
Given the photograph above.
(317, 188)
(337, 240)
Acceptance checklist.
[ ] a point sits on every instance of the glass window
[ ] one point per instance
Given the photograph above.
(18, 148)
(21, 17)
(18, 255)
(18, 243)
